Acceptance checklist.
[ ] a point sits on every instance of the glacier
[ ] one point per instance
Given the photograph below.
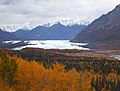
(52, 44)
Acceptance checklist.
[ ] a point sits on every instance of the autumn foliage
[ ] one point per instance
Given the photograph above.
(17, 74)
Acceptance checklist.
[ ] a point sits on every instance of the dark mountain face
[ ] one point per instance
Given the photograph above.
(21, 33)
(104, 29)
(55, 32)
(7, 36)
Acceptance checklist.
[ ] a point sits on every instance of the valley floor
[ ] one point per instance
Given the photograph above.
(104, 54)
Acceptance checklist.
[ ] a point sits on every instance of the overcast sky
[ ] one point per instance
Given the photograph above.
(44, 11)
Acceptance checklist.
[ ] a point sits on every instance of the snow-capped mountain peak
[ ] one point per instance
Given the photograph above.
(68, 22)
(13, 28)
(74, 22)
(27, 26)
(9, 28)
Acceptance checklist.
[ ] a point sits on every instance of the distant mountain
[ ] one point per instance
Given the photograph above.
(69, 22)
(27, 26)
(9, 28)
(7, 36)
(13, 28)
(21, 34)
(104, 29)
(57, 31)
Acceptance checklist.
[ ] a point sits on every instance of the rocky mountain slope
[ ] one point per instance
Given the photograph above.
(102, 30)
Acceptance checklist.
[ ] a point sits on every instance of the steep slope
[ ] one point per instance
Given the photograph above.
(104, 29)
(7, 36)
(54, 32)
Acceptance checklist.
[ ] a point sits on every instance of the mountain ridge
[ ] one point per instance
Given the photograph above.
(104, 29)
(30, 26)
(69, 22)
(54, 32)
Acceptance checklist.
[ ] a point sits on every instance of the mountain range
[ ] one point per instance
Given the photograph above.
(56, 31)
(64, 29)
(105, 29)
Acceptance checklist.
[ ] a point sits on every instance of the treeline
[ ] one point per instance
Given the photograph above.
(17, 74)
